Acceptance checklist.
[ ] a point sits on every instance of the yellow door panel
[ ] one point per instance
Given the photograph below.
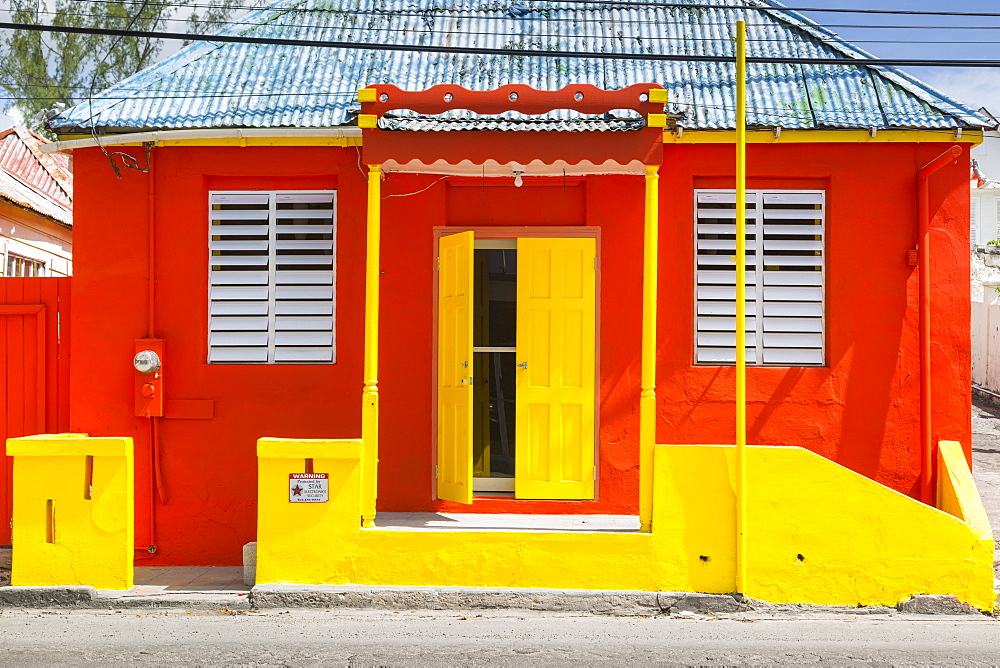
(454, 391)
(556, 385)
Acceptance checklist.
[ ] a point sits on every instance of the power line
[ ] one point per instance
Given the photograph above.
(622, 3)
(657, 38)
(485, 51)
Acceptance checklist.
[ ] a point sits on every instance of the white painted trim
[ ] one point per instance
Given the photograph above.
(205, 133)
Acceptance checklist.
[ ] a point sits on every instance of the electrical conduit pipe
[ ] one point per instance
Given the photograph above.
(924, 293)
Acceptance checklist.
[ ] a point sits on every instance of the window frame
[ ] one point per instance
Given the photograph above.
(271, 347)
(40, 266)
(756, 353)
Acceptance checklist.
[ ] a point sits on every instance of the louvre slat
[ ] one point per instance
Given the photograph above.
(725, 339)
(721, 308)
(794, 230)
(239, 278)
(786, 293)
(300, 277)
(303, 354)
(303, 323)
(793, 278)
(793, 198)
(303, 292)
(792, 214)
(723, 277)
(724, 292)
(317, 214)
(304, 259)
(728, 260)
(238, 308)
(239, 214)
(793, 325)
(240, 198)
(242, 244)
(794, 309)
(793, 356)
(722, 213)
(239, 230)
(715, 228)
(303, 197)
(716, 324)
(303, 308)
(220, 354)
(238, 324)
(238, 260)
(712, 355)
(303, 338)
(790, 340)
(237, 339)
(227, 292)
(724, 197)
(304, 229)
(793, 260)
(792, 245)
(296, 244)
(716, 244)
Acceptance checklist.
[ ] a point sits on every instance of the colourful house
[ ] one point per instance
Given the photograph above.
(486, 287)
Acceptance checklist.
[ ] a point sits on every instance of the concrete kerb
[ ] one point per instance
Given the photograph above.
(345, 597)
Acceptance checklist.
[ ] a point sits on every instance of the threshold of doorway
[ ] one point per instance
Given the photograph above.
(505, 522)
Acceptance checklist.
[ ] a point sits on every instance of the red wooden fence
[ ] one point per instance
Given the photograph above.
(34, 368)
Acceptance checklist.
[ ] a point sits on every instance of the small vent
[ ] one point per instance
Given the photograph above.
(272, 277)
(785, 277)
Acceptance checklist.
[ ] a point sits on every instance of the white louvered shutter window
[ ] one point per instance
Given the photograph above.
(272, 275)
(785, 297)
(974, 221)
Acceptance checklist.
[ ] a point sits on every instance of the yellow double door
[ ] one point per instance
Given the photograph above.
(555, 384)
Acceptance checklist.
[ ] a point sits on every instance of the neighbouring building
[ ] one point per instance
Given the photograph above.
(492, 245)
(36, 207)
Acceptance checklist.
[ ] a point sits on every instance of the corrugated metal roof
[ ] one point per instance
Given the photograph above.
(48, 174)
(254, 85)
(13, 190)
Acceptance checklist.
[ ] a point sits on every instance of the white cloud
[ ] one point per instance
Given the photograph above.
(974, 87)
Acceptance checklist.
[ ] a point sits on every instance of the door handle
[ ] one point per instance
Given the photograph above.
(522, 365)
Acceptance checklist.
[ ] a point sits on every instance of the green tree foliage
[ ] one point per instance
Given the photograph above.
(45, 70)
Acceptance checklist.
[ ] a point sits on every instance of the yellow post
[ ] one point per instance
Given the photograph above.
(73, 511)
(741, 309)
(647, 396)
(369, 397)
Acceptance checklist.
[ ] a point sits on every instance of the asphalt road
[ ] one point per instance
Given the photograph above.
(355, 638)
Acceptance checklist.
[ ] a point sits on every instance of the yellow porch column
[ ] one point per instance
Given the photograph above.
(74, 501)
(369, 397)
(647, 396)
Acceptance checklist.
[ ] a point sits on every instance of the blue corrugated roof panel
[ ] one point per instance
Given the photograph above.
(208, 85)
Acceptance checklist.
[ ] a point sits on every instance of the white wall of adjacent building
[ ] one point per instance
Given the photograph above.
(25, 236)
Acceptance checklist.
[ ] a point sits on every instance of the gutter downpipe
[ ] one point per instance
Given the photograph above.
(201, 133)
(924, 290)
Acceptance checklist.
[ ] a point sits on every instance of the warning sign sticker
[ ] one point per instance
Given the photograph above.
(308, 487)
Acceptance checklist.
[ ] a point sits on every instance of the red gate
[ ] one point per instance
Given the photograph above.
(34, 368)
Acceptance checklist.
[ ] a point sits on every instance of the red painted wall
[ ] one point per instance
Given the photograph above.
(860, 411)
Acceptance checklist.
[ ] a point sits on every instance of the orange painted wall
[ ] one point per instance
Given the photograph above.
(861, 411)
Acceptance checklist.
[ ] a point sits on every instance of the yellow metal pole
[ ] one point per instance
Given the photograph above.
(741, 308)
(647, 395)
(369, 397)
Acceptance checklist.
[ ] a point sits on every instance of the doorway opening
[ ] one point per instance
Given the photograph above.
(494, 341)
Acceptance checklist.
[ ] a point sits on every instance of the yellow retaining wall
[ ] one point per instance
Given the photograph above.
(60, 536)
(860, 542)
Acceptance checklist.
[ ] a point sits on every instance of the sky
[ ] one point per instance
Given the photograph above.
(882, 36)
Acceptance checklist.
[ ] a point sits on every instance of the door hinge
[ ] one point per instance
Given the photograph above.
(595, 473)
(435, 471)
(438, 260)
(595, 264)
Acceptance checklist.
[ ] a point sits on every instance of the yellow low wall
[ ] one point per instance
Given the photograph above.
(73, 511)
(817, 533)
